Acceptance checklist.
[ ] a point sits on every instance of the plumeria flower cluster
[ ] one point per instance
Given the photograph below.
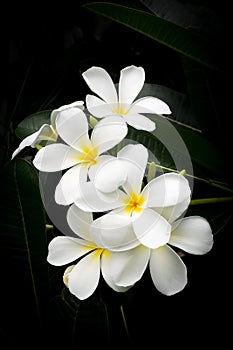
(123, 222)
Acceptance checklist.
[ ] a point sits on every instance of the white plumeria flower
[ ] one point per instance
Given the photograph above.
(46, 132)
(80, 153)
(82, 278)
(135, 202)
(122, 103)
(168, 272)
(191, 234)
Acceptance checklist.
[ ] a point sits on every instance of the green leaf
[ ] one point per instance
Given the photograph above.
(159, 152)
(178, 134)
(202, 151)
(32, 123)
(166, 146)
(186, 15)
(178, 148)
(23, 251)
(184, 41)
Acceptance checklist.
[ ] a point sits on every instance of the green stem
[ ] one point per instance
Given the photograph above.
(211, 200)
(207, 181)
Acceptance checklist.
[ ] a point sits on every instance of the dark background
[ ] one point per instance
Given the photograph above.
(44, 50)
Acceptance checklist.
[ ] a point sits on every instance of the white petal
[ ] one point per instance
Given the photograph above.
(107, 273)
(114, 232)
(109, 174)
(108, 132)
(151, 105)
(66, 190)
(54, 113)
(173, 212)
(16, 151)
(90, 199)
(167, 190)
(100, 82)
(72, 126)
(79, 221)
(98, 107)
(102, 161)
(130, 84)
(126, 268)
(151, 229)
(44, 133)
(192, 234)
(140, 122)
(168, 272)
(28, 141)
(84, 277)
(55, 157)
(135, 160)
(63, 250)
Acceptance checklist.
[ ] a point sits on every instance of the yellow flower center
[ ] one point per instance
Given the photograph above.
(120, 110)
(97, 252)
(89, 156)
(101, 251)
(133, 203)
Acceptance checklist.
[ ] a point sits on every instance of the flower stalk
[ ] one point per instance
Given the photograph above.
(207, 181)
(211, 200)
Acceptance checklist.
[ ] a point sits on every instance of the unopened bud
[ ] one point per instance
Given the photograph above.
(151, 171)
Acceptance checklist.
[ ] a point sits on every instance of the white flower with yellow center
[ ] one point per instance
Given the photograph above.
(122, 103)
(168, 272)
(133, 201)
(83, 276)
(166, 196)
(46, 132)
(80, 153)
